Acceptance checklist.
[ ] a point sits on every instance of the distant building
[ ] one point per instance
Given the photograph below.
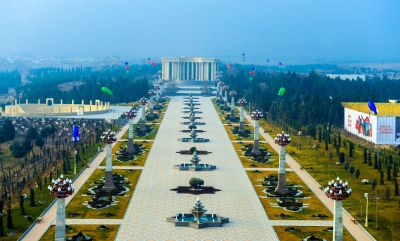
(347, 76)
(50, 108)
(383, 128)
(183, 69)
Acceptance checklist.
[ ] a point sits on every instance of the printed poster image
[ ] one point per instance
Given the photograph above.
(363, 126)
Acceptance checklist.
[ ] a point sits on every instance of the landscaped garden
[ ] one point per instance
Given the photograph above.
(79, 206)
(95, 232)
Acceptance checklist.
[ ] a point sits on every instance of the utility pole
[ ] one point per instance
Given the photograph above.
(366, 210)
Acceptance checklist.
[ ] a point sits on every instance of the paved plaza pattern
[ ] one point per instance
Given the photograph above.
(153, 202)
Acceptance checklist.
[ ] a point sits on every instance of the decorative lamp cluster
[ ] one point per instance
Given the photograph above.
(282, 139)
(130, 114)
(241, 102)
(156, 86)
(256, 115)
(232, 93)
(338, 190)
(61, 188)
(108, 137)
(152, 92)
(143, 101)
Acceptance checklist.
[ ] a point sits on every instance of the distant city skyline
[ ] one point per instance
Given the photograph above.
(289, 31)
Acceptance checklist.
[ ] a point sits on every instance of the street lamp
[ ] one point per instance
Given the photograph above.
(338, 191)
(61, 189)
(366, 210)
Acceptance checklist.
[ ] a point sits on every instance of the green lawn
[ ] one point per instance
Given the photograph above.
(324, 168)
(78, 210)
(90, 230)
(315, 206)
(248, 162)
(139, 160)
(302, 232)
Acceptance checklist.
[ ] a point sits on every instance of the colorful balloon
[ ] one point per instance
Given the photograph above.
(153, 63)
(251, 72)
(229, 66)
(251, 78)
(106, 90)
(281, 91)
(372, 107)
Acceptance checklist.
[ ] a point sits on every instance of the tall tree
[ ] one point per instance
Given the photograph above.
(21, 204)
(32, 198)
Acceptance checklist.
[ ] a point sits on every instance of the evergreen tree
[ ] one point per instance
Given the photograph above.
(382, 178)
(341, 158)
(357, 173)
(396, 187)
(351, 149)
(319, 134)
(2, 233)
(32, 198)
(369, 159)
(373, 184)
(388, 173)
(339, 140)
(39, 142)
(326, 144)
(21, 204)
(7, 131)
(387, 194)
(375, 161)
(365, 155)
(9, 216)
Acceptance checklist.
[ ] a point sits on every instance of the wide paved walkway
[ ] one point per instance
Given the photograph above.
(153, 202)
(356, 230)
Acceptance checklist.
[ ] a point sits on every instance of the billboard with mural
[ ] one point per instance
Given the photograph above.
(360, 124)
(376, 129)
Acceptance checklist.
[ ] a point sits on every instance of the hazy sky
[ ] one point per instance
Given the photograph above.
(286, 30)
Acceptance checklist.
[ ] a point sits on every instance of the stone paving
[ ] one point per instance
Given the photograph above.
(153, 202)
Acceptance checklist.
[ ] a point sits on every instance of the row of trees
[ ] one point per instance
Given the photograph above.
(310, 99)
(86, 84)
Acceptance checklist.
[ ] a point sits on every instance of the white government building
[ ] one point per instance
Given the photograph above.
(189, 69)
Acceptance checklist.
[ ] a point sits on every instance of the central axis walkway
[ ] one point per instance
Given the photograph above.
(153, 202)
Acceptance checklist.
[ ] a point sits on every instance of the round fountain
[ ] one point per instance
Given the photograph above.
(195, 165)
(198, 218)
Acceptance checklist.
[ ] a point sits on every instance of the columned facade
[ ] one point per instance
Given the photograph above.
(189, 69)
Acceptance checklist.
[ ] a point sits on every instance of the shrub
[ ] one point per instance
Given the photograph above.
(196, 182)
(352, 169)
